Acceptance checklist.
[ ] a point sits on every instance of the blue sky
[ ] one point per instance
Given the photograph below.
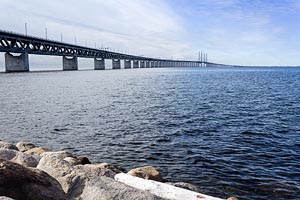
(257, 32)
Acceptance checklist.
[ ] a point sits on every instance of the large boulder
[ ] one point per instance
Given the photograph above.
(147, 172)
(22, 183)
(18, 157)
(71, 177)
(25, 146)
(53, 164)
(5, 145)
(103, 188)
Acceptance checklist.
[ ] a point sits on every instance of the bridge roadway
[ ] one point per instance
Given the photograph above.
(17, 43)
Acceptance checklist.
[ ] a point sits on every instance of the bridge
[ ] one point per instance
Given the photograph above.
(24, 45)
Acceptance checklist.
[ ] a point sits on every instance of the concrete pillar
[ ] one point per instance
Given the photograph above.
(135, 64)
(99, 64)
(142, 64)
(147, 64)
(127, 64)
(151, 64)
(70, 63)
(16, 63)
(159, 64)
(116, 64)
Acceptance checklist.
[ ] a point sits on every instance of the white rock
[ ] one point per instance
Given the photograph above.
(5, 198)
(161, 189)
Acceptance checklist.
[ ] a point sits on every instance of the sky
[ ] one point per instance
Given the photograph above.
(239, 32)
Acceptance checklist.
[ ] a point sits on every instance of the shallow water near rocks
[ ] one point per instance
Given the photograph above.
(231, 131)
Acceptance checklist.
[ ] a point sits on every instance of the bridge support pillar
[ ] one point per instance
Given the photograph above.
(142, 64)
(147, 64)
(99, 64)
(70, 63)
(116, 64)
(151, 64)
(160, 64)
(16, 63)
(135, 64)
(127, 64)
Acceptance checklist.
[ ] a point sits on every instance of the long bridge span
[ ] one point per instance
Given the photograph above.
(24, 45)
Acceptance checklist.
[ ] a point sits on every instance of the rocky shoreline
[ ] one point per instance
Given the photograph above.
(29, 172)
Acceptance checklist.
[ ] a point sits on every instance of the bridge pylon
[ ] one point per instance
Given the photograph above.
(16, 63)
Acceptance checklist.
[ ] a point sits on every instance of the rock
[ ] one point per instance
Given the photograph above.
(71, 178)
(103, 188)
(54, 165)
(25, 146)
(77, 160)
(18, 157)
(162, 190)
(82, 173)
(37, 151)
(5, 198)
(72, 161)
(21, 183)
(232, 198)
(111, 167)
(5, 145)
(184, 185)
(91, 170)
(147, 172)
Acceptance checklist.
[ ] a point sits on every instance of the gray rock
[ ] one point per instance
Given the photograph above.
(54, 165)
(104, 188)
(22, 183)
(5, 145)
(72, 178)
(25, 146)
(18, 157)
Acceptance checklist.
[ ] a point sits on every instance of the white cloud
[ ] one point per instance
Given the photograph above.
(140, 27)
(231, 31)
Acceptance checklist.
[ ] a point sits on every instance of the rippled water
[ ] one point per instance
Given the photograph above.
(231, 131)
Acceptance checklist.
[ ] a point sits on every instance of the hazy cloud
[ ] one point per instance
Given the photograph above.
(232, 31)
